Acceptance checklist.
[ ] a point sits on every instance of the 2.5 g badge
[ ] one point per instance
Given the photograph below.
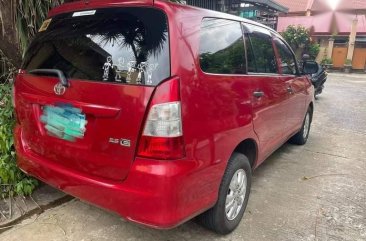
(122, 142)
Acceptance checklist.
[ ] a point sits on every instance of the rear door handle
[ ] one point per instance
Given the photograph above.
(258, 94)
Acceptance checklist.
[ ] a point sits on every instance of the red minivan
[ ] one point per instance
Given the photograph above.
(157, 111)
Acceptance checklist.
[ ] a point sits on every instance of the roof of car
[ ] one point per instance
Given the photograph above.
(92, 4)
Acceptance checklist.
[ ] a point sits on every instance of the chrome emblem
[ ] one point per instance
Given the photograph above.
(125, 142)
(122, 142)
(59, 89)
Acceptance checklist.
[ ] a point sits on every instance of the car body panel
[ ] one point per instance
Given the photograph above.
(296, 107)
(105, 105)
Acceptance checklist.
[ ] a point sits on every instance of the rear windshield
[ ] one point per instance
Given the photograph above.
(120, 45)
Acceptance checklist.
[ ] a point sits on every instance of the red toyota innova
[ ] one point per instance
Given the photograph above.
(157, 111)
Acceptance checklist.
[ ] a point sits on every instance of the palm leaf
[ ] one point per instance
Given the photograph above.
(29, 18)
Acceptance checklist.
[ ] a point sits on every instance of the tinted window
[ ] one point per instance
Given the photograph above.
(222, 47)
(286, 58)
(260, 53)
(126, 45)
(252, 66)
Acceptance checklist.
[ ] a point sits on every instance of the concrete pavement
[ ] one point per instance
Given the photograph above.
(311, 192)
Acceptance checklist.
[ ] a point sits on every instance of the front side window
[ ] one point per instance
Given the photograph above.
(120, 45)
(287, 61)
(222, 47)
(260, 53)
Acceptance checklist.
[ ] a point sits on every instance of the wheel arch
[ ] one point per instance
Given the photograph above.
(311, 106)
(249, 148)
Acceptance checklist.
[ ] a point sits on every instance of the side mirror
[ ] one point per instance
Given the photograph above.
(310, 67)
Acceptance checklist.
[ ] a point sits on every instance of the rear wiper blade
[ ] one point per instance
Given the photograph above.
(63, 80)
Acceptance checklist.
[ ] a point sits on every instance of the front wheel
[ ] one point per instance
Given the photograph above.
(302, 136)
(234, 191)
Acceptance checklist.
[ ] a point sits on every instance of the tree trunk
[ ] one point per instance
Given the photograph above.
(9, 44)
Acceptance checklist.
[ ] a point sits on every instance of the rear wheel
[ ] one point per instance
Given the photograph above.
(234, 191)
(301, 137)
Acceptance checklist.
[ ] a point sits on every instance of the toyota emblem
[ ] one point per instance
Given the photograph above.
(59, 89)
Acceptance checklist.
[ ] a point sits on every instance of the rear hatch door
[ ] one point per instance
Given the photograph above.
(113, 59)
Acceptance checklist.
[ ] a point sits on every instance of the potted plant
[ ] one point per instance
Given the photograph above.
(348, 66)
(327, 63)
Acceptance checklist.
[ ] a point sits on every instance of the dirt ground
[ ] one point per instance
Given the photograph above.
(313, 192)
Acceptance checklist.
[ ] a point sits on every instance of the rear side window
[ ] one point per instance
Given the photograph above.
(260, 53)
(287, 61)
(121, 45)
(222, 47)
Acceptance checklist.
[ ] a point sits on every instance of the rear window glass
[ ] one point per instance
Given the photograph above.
(222, 47)
(121, 45)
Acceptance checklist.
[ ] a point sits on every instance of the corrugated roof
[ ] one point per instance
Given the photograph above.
(321, 5)
(344, 23)
(319, 24)
(324, 17)
(352, 5)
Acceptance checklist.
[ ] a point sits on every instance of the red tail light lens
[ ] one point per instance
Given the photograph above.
(162, 137)
(161, 147)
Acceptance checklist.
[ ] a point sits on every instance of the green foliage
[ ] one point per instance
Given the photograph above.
(297, 36)
(12, 180)
(348, 62)
(327, 61)
(29, 18)
(300, 40)
(314, 50)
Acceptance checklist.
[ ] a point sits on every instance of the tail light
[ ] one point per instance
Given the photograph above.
(162, 137)
(164, 120)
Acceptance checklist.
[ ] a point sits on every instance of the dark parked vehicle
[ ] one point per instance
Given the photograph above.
(318, 79)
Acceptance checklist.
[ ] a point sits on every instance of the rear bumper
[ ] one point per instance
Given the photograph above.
(157, 194)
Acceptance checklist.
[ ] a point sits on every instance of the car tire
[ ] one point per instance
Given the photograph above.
(302, 136)
(227, 213)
